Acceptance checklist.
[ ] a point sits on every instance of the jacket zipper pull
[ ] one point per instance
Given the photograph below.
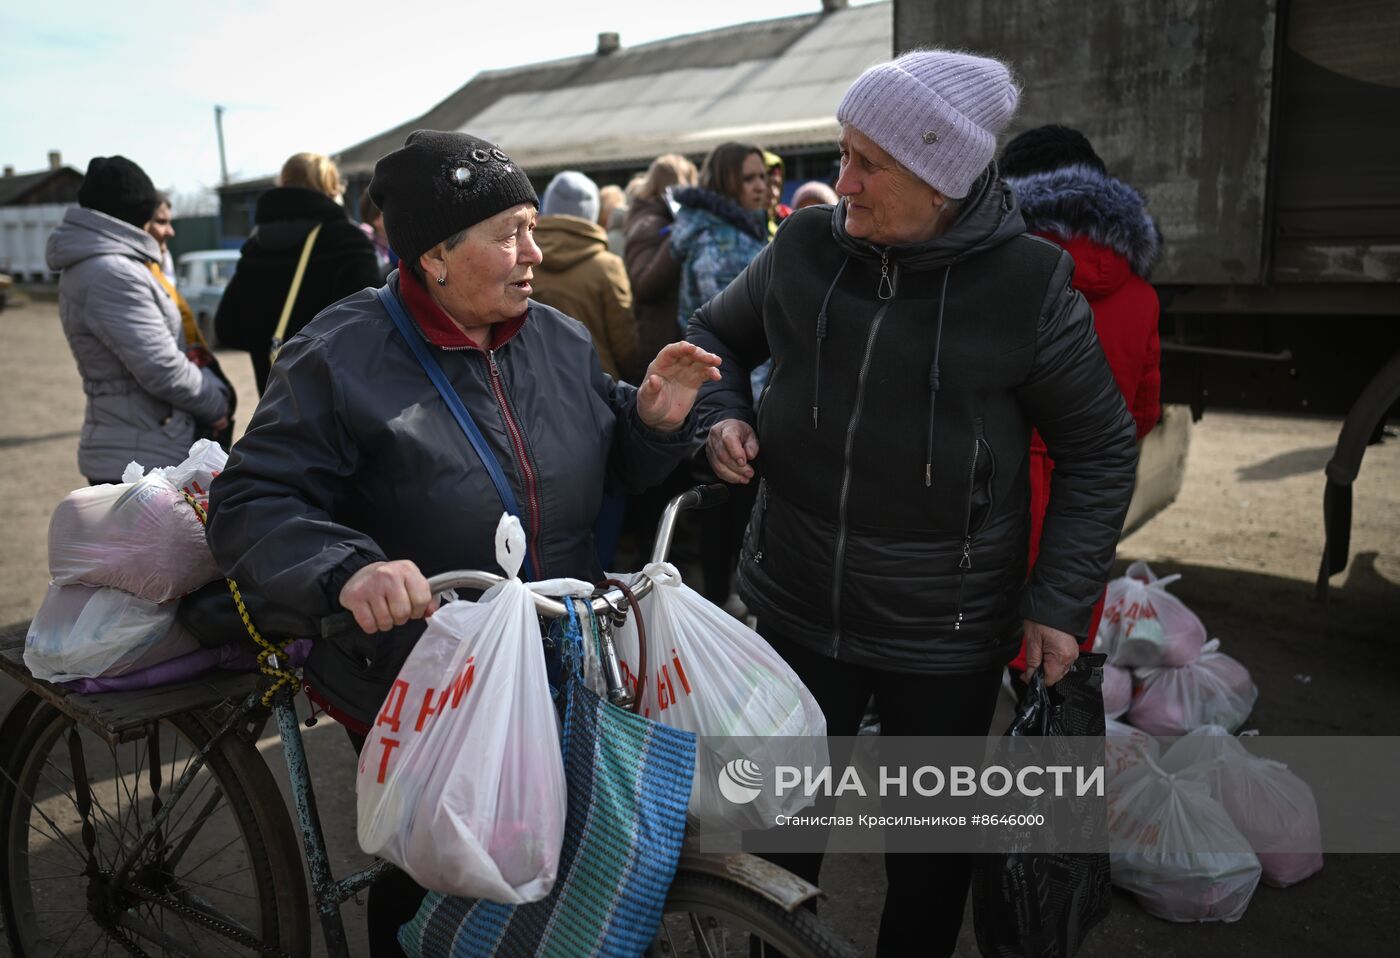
(886, 290)
(966, 561)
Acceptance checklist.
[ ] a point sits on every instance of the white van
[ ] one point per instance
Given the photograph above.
(202, 277)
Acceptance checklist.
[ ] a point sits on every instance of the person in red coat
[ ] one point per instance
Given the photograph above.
(1068, 197)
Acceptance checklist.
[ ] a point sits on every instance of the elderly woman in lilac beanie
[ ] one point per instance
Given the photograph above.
(918, 335)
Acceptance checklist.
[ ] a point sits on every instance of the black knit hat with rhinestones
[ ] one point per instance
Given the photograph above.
(439, 184)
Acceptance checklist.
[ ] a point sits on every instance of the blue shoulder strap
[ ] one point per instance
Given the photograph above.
(390, 301)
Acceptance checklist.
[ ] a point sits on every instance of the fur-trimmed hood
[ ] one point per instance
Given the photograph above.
(1079, 202)
(723, 209)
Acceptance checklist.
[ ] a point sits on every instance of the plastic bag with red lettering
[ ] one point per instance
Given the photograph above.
(1124, 748)
(141, 537)
(1271, 806)
(1174, 847)
(710, 674)
(1145, 625)
(461, 779)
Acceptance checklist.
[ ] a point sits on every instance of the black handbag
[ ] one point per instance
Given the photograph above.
(1043, 904)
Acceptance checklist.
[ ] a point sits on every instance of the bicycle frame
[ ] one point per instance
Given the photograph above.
(329, 893)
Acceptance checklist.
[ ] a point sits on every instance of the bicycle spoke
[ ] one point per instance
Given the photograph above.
(55, 832)
(182, 882)
(180, 841)
(107, 823)
(700, 935)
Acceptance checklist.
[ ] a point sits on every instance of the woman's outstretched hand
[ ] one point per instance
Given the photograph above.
(668, 389)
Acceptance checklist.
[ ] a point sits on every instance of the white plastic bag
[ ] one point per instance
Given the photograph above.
(81, 632)
(461, 780)
(1213, 690)
(1117, 691)
(206, 460)
(710, 674)
(1124, 748)
(1145, 625)
(1174, 847)
(1273, 808)
(140, 537)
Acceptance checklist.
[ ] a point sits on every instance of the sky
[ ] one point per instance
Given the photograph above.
(95, 78)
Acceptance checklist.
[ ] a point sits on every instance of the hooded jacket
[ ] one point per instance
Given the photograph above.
(655, 275)
(714, 238)
(342, 262)
(580, 278)
(353, 457)
(891, 523)
(144, 397)
(1103, 224)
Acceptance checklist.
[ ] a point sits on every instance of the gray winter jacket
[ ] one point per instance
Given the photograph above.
(144, 395)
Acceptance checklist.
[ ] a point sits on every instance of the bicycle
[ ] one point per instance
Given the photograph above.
(206, 862)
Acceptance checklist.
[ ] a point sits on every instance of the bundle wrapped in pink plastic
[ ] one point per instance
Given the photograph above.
(1117, 691)
(83, 632)
(1175, 848)
(205, 461)
(1144, 625)
(141, 537)
(1273, 808)
(1213, 690)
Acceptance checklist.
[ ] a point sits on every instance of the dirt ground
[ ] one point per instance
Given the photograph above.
(1246, 534)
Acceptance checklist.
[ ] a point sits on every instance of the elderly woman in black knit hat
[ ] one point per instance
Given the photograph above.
(354, 481)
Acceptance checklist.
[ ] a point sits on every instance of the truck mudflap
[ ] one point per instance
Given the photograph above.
(1367, 413)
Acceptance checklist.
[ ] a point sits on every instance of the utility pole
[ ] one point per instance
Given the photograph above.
(223, 163)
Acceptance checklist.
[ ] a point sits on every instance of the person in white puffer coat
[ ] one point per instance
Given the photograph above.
(145, 398)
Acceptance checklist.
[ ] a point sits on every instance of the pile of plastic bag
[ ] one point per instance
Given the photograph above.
(1162, 675)
(461, 781)
(1193, 829)
(120, 556)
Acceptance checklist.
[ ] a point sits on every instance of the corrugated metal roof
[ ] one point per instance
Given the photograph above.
(775, 82)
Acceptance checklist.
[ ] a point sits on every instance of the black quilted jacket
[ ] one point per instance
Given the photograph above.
(891, 527)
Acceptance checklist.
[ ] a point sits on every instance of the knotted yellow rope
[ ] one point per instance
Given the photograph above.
(284, 677)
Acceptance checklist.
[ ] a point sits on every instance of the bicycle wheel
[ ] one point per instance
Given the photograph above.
(712, 917)
(222, 877)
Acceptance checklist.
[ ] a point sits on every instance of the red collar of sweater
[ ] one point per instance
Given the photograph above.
(439, 329)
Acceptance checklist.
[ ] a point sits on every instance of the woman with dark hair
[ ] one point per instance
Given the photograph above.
(721, 225)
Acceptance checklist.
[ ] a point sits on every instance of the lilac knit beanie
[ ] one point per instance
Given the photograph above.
(936, 111)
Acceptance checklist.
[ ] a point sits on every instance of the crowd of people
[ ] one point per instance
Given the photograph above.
(924, 382)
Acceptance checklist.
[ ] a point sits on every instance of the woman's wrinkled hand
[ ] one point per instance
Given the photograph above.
(668, 389)
(385, 594)
(731, 446)
(1053, 649)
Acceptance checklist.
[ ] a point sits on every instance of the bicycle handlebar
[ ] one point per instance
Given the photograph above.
(610, 600)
